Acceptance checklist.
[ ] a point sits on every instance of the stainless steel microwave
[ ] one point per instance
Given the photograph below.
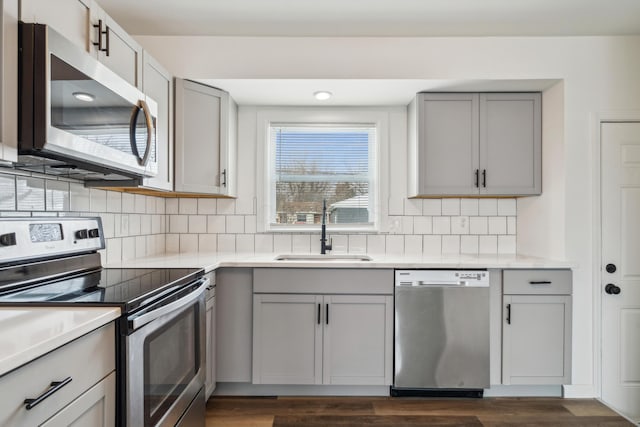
(79, 119)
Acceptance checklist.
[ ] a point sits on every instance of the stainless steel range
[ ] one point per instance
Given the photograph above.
(161, 341)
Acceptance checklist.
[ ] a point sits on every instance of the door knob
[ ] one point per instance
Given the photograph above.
(611, 268)
(612, 289)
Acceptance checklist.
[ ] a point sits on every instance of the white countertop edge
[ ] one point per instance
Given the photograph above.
(10, 360)
(210, 261)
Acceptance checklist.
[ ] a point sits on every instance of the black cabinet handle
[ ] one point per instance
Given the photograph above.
(327, 314)
(540, 282)
(224, 178)
(508, 314)
(54, 387)
(319, 308)
(477, 178)
(484, 178)
(107, 32)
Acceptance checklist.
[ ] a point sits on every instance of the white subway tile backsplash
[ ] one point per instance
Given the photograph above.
(245, 243)
(488, 207)
(216, 224)
(128, 248)
(244, 206)
(396, 205)
(395, 244)
(413, 207)
(376, 244)
(451, 207)
(340, 243)
(282, 243)
(226, 242)
(98, 200)
(507, 244)
(114, 201)
(468, 244)
(264, 243)
(432, 207)
(7, 193)
(178, 224)
(56, 195)
(357, 244)
(161, 205)
(206, 206)
(172, 243)
(488, 245)
(478, 225)
(208, 242)
(114, 250)
(506, 207)
(441, 225)
(422, 225)
(187, 206)
(235, 224)
(151, 205)
(432, 244)
(141, 246)
(407, 225)
(197, 224)
(128, 203)
(124, 225)
(250, 223)
(413, 245)
(450, 244)
(511, 225)
(140, 203)
(146, 224)
(395, 225)
(30, 193)
(188, 243)
(108, 225)
(134, 224)
(469, 207)
(460, 225)
(301, 243)
(79, 197)
(226, 207)
(497, 225)
(156, 224)
(171, 206)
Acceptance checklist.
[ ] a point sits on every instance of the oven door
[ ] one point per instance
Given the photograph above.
(165, 358)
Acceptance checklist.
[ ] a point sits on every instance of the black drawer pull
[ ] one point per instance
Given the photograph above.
(327, 318)
(540, 282)
(54, 387)
(508, 314)
(319, 313)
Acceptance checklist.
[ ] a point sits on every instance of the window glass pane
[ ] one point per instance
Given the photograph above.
(323, 162)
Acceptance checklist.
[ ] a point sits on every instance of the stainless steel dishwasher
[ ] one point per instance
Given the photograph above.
(441, 333)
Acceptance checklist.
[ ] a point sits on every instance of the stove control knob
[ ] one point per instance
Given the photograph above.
(8, 239)
(94, 232)
(81, 234)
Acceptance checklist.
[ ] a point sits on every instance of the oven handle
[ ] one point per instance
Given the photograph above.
(174, 306)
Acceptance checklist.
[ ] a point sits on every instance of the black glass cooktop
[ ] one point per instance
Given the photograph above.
(128, 288)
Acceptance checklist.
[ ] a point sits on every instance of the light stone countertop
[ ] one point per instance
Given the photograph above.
(27, 333)
(213, 260)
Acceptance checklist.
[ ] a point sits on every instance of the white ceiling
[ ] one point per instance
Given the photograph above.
(377, 17)
(396, 18)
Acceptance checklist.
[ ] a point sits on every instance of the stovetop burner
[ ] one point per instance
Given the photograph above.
(127, 288)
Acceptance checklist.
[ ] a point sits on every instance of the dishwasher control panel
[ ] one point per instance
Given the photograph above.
(468, 278)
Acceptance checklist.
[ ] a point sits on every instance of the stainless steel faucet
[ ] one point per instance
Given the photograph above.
(324, 247)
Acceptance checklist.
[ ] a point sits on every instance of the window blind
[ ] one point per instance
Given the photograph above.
(313, 163)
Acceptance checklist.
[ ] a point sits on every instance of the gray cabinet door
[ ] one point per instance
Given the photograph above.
(158, 85)
(536, 339)
(448, 143)
(510, 143)
(198, 137)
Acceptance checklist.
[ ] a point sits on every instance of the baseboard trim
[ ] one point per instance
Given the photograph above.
(579, 391)
(523, 391)
(248, 389)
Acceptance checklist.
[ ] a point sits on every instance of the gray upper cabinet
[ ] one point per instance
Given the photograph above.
(470, 144)
(205, 156)
(68, 17)
(158, 85)
(8, 79)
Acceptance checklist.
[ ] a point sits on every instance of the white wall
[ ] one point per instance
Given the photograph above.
(599, 74)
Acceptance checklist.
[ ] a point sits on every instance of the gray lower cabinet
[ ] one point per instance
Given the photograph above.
(472, 144)
(210, 337)
(536, 332)
(302, 335)
(85, 369)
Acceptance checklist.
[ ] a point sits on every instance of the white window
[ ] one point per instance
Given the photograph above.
(309, 162)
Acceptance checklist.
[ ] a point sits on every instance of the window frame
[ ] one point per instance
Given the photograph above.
(265, 182)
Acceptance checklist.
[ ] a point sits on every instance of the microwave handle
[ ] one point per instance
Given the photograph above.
(141, 105)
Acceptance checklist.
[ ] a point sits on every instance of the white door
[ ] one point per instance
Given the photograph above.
(620, 285)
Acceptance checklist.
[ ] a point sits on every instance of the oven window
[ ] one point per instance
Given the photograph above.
(171, 361)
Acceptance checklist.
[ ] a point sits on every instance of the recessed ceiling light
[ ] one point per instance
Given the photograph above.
(83, 96)
(322, 95)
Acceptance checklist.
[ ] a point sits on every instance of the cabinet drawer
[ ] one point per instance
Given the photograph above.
(323, 281)
(86, 360)
(537, 282)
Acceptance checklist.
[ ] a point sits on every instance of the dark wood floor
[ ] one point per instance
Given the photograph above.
(409, 412)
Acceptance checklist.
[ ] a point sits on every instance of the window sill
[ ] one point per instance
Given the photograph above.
(315, 229)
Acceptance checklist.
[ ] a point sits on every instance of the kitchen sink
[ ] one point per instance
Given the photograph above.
(308, 257)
